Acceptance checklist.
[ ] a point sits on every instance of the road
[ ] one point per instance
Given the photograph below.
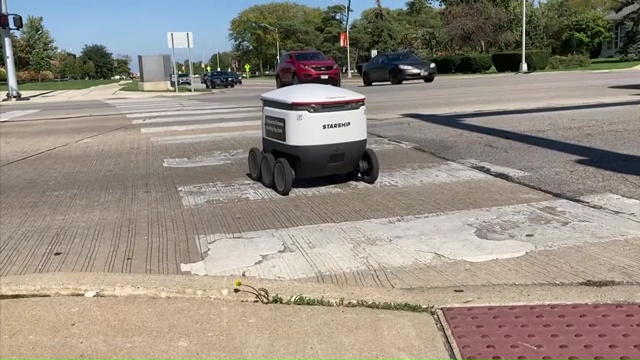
(484, 182)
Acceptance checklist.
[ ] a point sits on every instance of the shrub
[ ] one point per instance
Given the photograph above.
(3, 74)
(27, 76)
(448, 64)
(474, 64)
(46, 76)
(510, 61)
(568, 62)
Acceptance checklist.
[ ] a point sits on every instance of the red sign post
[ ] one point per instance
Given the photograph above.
(344, 40)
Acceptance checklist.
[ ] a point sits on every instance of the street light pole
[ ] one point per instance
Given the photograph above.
(7, 49)
(277, 40)
(523, 63)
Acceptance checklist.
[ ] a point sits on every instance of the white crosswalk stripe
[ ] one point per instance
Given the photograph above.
(10, 115)
(174, 114)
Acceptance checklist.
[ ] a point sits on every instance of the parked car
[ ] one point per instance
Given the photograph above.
(398, 67)
(309, 66)
(184, 79)
(217, 79)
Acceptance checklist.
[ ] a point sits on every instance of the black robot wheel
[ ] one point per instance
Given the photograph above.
(282, 177)
(369, 168)
(266, 169)
(254, 160)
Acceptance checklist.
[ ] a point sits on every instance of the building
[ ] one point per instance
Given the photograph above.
(619, 29)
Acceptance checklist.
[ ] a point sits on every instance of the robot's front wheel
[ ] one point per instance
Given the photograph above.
(267, 165)
(255, 162)
(282, 177)
(369, 167)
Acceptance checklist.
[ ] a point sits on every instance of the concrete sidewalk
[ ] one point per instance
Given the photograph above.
(149, 316)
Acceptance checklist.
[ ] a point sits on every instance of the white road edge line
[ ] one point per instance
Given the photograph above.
(200, 126)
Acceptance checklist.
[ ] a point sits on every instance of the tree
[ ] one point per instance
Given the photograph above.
(586, 32)
(101, 58)
(89, 69)
(255, 42)
(122, 65)
(36, 44)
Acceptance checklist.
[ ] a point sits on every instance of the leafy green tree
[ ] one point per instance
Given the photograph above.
(89, 69)
(586, 32)
(37, 44)
(122, 65)
(101, 58)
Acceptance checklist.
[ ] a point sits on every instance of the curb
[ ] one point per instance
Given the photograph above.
(221, 288)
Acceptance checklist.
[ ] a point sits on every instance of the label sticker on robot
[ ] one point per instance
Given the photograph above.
(336, 125)
(299, 117)
(275, 128)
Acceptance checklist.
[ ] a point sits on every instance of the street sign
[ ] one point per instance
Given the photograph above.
(247, 67)
(180, 40)
(208, 68)
(374, 53)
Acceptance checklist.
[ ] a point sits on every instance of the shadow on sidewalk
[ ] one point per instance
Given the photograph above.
(591, 156)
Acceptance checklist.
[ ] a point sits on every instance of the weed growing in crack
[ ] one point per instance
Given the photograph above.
(262, 295)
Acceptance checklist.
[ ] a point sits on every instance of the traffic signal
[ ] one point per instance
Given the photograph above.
(4, 21)
(17, 22)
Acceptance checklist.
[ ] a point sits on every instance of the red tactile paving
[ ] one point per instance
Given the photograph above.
(609, 331)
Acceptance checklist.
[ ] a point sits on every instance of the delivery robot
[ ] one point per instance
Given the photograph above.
(311, 131)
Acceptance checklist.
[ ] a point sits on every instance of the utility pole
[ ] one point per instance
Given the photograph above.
(9, 60)
(218, 58)
(523, 63)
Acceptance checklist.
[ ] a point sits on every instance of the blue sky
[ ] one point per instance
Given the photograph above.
(140, 27)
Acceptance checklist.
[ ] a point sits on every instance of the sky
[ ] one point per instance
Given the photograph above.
(140, 27)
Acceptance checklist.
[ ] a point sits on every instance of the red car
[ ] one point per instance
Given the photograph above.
(309, 66)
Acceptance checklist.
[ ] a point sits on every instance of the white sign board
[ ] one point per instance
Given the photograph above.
(374, 53)
(181, 40)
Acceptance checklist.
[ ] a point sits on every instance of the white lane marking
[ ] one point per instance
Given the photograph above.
(226, 157)
(179, 139)
(178, 108)
(472, 235)
(173, 112)
(200, 126)
(622, 206)
(193, 118)
(6, 116)
(215, 158)
(494, 168)
(146, 101)
(246, 190)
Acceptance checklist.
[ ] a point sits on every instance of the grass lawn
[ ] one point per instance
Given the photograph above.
(602, 64)
(60, 85)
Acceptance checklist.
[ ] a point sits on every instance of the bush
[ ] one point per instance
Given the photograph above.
(448, 64)
(568, 62)
(474, 64)
(46, 76)
(510, 61)
(3, 74)
(27, 76)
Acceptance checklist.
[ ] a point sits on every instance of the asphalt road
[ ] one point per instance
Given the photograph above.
(580, 139)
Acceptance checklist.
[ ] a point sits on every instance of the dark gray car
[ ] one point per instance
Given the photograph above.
(397, 67)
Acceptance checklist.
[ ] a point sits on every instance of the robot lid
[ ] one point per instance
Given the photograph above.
(312, 94)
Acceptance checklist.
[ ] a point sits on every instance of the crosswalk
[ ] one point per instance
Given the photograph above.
(15, 115)
(422, 210)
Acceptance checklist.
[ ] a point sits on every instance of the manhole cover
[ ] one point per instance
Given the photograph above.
(609, 331)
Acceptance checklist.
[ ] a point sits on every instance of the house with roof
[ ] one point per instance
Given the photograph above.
(619, 29)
